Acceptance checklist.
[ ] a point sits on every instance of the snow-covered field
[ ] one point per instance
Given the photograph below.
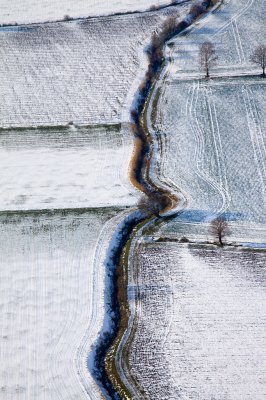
(200, 323)
(201, 327)
(196, 228)
(215, 135)
(27, 11)
(65, 168)
(235, 29)
(213, 131)
(52, 280)
(200, 320)
(86, 72)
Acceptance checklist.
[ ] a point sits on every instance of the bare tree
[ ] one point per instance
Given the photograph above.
(153, 203)
(259, 57)
(207, 57)
(169, 25)
(219, 228)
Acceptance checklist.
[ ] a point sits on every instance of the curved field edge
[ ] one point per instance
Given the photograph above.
(129, 336)
(50, 269)
(140, 176)
(87, 346)
(123, 347)
(66, 17)
(146, 141)
(122, 270)
(115, 308)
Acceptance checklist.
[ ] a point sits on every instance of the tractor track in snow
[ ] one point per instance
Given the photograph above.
(255, 134)
(199, 135)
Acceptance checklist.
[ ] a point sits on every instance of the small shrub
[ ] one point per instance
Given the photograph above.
(196, 9)
(153, 7)
(153, 203)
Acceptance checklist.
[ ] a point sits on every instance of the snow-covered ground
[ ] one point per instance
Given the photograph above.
(86, 72)
(27, 11)
(215, 144)
(200, 311)
(200, 323)
(65, 168)
(51, 301)
(52, 275)
(200, 320)
(236, 28)
(213, 131)
(196, 227)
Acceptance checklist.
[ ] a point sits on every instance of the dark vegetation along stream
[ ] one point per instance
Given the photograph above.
(105, 370)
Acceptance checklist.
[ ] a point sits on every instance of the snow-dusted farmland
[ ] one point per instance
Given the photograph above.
(27, 11)
(215, 144)
(213, 131)
(86, 72)
(200, 319)
(51, 279)
(235, 29)
(200, 323)
(65, 168)
(196, 227)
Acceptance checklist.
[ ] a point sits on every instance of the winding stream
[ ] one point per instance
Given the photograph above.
(109, 364)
